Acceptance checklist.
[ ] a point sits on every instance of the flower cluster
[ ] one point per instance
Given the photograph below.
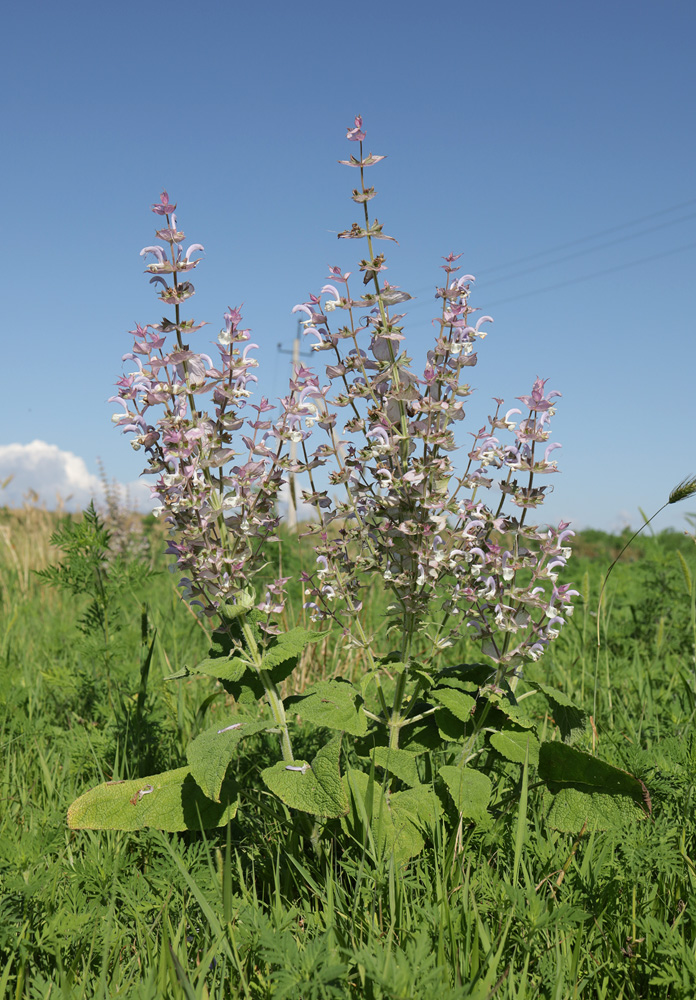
(453, 564)
(219, 499)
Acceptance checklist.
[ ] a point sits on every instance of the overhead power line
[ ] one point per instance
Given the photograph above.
(593, 236)
(543, 253)
(485, 284)
(582, 253)
(594, 274)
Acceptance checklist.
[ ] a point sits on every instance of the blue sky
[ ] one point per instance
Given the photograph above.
(551, 143)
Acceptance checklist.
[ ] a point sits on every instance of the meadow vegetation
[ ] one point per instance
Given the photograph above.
(507, 907)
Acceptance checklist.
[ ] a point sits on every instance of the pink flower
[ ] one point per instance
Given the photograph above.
(537, 401)
(164, 208)
(337, 276)
(356, 134)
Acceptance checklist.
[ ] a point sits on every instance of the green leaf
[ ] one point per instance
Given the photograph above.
(209, 755)
(372, 821)
(563, 766)
(568, 717)
(460, 704)
(467, 676)
(279, 658)
(513, 745)
(228, 639)
(571, 811)
(402, 763)
(445, 680)
(179, 675)
(417, 738)
(553, 694)
(470, 790)
(314, 788)
(420, 805)
(420, 736)
(169, 801)
(221, 667)
(506, 703)
(246, 692)
(334, 704)
(245, 601)
(450, 727)
(228, 656)
(289, 645)
(392, 662)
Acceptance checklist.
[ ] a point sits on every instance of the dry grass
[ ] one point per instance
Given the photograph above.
(25, 534)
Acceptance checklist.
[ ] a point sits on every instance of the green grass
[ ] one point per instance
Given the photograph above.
(509, 909)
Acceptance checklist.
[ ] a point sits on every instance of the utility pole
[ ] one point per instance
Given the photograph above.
(292, 493)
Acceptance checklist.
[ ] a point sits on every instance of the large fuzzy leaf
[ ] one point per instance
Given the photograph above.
(314, 788)
(571, 811)
(169, 801)
(209, 755)
(374, 822)
(288, 645)
(568, 717)
(402, 763)
(563, 766)
(470, 790)
(450, 728)
(460, 704)
(419, 804)
(515, 745)
(223, 668)
(334, 704)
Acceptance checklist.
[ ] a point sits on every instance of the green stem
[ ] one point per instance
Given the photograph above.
(396, 719)
(271, 690)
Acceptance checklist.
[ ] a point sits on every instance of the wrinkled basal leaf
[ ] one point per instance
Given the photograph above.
(169, 801)
(334, 704)
(398, 762)
(450, 728)
(420, 805)
(314, 788)
(563, 766)
(513, 745)
(505, 702)
(209, 755)
(470, 790)
(374, 822)
(568, 717)
(569, 810)
(460, 704)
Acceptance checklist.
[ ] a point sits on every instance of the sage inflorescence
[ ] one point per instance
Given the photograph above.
(455, 561)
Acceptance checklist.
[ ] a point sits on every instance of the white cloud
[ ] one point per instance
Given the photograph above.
(59, 478)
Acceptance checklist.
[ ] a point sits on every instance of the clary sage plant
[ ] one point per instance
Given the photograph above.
(449, 536)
